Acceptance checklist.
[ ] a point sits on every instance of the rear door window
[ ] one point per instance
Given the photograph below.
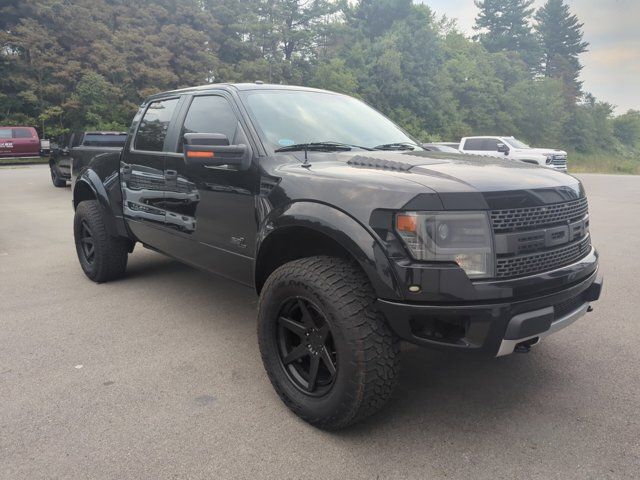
(5, 133)
(154, 125)
(22, 133)
(473, 144)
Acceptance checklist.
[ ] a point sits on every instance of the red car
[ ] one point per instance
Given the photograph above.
(19, 142)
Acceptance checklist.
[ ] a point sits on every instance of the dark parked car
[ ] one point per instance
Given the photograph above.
(19, 142)
(352, 234)
(78, 148)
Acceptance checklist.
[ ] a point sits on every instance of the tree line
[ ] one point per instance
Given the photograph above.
(87, 64)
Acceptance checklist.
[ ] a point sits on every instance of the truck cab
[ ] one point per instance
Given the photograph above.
(19, 142)
(352, 234)
(513, 149)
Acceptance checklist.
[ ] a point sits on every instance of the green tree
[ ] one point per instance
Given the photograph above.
(537, 111)
(626, 128)
(561, 38)
(336, 76)
(505, 26)
(375, 17)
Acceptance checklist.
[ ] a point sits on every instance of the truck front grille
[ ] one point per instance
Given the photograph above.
(533, 263)
(548, 215)
(559, 161)
(540, 239)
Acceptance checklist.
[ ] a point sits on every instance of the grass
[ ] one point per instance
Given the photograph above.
(23, 161)
(604, 163)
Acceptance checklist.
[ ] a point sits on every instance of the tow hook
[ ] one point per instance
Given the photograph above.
(589, 308)
(525, 347)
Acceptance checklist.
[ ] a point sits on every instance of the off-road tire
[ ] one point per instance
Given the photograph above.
(367, 351)
(55, 178)
(109, 259)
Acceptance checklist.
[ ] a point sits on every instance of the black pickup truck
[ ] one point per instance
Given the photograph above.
(79, 148)
(352, 234)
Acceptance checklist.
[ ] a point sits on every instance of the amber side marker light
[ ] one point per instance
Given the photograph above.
(192, 154)
(406, 223)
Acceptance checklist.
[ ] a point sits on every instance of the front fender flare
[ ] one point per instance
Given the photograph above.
(353, 236)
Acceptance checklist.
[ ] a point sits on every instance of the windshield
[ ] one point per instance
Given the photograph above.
(286, 118)
(515, 143)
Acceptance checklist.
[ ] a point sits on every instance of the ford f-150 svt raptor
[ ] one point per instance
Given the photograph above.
(354, 237)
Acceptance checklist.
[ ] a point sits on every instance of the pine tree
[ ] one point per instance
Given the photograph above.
(561, 37)
(505, 26)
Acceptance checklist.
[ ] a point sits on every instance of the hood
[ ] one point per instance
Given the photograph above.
(460, 181)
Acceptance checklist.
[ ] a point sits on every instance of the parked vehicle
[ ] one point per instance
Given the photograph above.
(352, 234)
(514, 149)
(19, 142)
(77, 149)
(454, 145)
(45, 147)
(438, 147)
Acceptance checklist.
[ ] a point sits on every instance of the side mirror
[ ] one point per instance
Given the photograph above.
(502, 148)
(213, 150)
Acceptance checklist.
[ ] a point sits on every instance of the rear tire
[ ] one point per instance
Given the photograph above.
(102, 256)
(319, 311)
(55, 178)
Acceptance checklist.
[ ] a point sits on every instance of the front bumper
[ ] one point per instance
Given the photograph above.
(494, 329)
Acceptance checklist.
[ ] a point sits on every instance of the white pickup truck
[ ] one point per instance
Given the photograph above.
(514, 149)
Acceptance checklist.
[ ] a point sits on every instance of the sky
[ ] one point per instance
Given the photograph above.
(612, 64)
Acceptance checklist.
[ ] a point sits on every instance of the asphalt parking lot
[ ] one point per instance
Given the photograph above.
(159, 376)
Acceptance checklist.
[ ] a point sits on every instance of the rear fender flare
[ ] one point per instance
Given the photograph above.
(90, 180)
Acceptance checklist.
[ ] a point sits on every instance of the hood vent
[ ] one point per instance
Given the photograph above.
(379, 163)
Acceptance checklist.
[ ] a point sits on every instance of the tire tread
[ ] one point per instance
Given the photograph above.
(377, 348)
(111, 252)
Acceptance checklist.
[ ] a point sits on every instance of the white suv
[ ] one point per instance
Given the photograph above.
(514, 149)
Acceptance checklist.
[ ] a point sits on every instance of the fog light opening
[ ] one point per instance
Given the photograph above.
(437, 330)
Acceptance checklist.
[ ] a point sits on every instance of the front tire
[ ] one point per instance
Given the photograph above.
(327, 350)
(102, 257)
(55, 178)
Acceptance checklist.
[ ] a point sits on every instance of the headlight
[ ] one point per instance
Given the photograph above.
(460, 237)
(549, 159)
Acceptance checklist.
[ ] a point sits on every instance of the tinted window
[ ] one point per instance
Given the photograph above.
(473, 144)
(22, 133)
(154, 125)
(210, 114)
(5, 133)
(104, 140)
(490, 144)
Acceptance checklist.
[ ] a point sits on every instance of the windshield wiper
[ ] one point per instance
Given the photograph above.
(397, 146)
(320, 147)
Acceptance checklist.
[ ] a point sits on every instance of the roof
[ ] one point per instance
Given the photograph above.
(236, 87)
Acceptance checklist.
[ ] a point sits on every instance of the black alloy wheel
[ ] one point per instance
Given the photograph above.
(87, 243)
(307, 351)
